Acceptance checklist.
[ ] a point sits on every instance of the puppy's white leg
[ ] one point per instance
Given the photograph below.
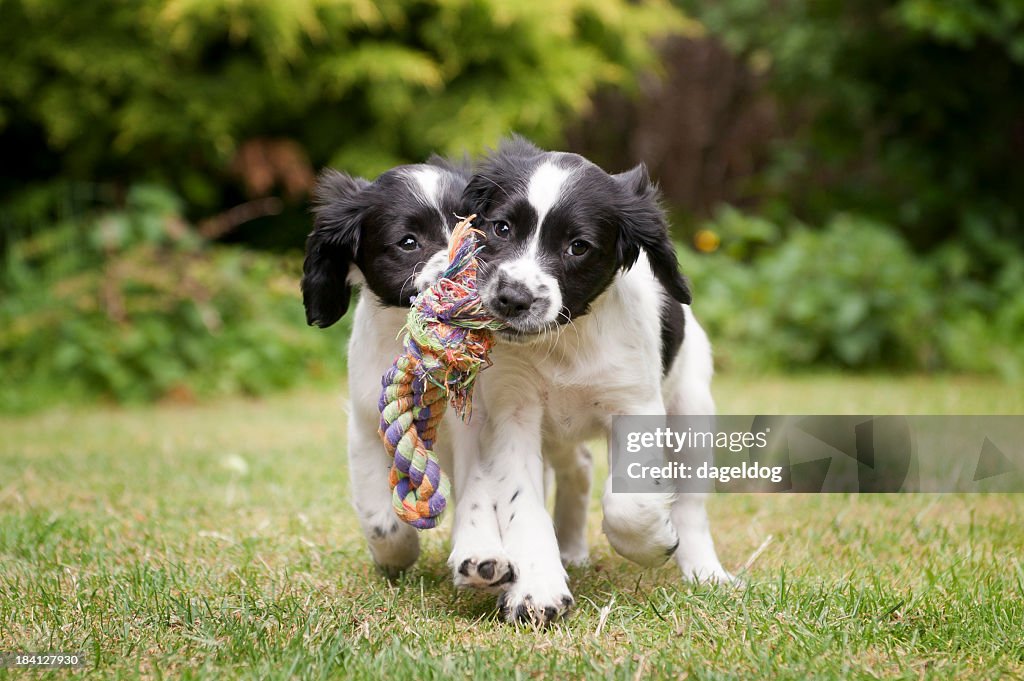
(512, 455)
(572, 467)
(689, 392)
(639, 526)
(696, 554)
(478, 559)
(540, 594)
(393, 544)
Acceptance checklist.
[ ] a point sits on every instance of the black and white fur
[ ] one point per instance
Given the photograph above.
(580, 266)
(391, 237)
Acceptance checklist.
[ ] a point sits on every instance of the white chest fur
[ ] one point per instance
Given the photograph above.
(373, 347)
(607, 362)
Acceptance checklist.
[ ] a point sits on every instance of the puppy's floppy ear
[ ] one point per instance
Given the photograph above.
(478, 195)
(643, 226)
(331, 246)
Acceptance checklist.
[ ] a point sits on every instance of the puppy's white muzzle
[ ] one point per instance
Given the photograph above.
(432, 271)
(522, 295)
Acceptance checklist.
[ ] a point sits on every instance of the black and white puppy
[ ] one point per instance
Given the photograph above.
(389, 236)
(580, 266)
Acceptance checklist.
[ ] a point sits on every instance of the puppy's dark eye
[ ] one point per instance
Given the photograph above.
(578, 247)
(501, 229)
(408, 243)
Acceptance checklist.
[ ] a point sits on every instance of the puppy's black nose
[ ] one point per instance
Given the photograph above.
(513, 300)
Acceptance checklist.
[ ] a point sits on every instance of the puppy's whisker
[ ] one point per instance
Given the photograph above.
(550, 335)
(410, 281)
(571, 323)
(544, 338)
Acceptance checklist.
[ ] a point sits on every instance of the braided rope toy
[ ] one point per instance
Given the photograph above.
(447, 340)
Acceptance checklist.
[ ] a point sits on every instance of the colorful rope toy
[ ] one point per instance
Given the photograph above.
(447, 339)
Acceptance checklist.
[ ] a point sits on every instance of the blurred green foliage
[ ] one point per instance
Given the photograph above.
(124, 125)
(167, 91)
(853, 295)
(133, 305)
(107, 286)
(911, 112)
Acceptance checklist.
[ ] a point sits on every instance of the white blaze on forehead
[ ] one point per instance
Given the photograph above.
(427, 182)
(543, 191)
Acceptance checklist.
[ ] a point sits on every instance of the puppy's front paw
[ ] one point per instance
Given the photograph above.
(393, 545)
(490, 573)
(575, 556)
(517, 605)
(710, 572)
(640, 529)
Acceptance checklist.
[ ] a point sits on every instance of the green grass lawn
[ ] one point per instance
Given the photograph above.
(216, 541)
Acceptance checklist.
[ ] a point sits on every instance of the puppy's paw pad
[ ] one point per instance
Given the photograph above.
(485, 573)
(524, 608)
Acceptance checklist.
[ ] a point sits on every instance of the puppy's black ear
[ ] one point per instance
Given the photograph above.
(643, 226)
(331, 246)
(478, 195)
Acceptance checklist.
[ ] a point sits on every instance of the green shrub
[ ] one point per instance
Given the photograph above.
(169, 91)
(984, 323)
(852, 295)
(905, 110)
(133, 305)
